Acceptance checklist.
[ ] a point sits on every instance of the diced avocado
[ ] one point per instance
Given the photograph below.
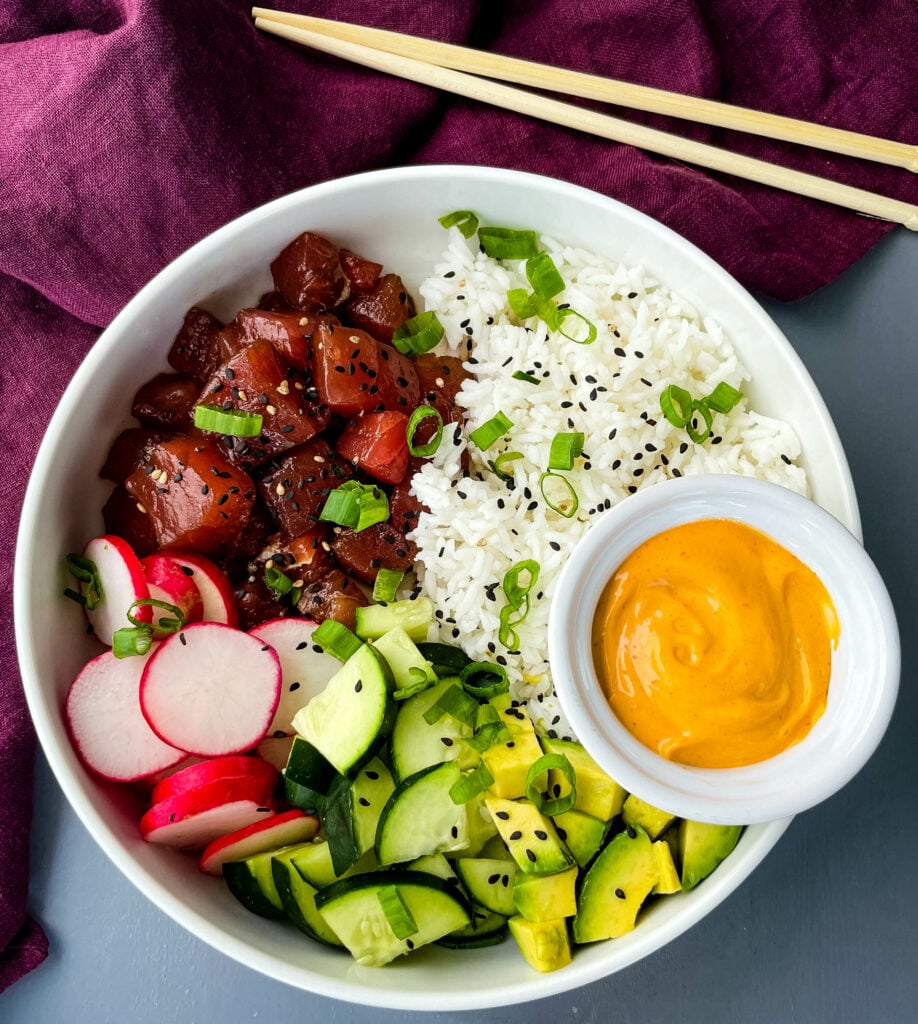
(597, 794)
(702, 847)
(545, 897)
(514, 717)
(544, 944)
(414, 617)
(615, 887)
(637, 812)
(407, 663)
(582, 833)
(489, 882)
(530, 836)
(669, 877)
(509, 764)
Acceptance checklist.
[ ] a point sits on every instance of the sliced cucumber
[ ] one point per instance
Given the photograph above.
(486, 929)
(356, 909)
(251, 881)
(414, 744)
(446, 659)
(353, 714)
(414, 617)
(352, 810)
(420, 817)
(489, 883)
(409, 667)
(299, 900)
(307, 776)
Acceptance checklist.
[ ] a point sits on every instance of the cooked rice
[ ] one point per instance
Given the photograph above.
(478, 526)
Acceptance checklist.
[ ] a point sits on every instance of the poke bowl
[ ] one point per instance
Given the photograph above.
(663, 288)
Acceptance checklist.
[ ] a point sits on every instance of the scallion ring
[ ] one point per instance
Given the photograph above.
(565, 448)
(566, 314)
(528, 377)
(386, 585)
(420, 414)
(535, 793)
(483, 680)
(418, 335)
(543, 276)
(171, 624)
(497, 464)
(515, 591)
(397, 913)
(468, 786)
(465, 220)
(277, 582)
(699, 409)
(723, 398)
(229, 422)
(485, 435)
(86, 572)
(522, 303)
(336, 639)
(564, 503)
(131, 641)
(508, 243)
(676, 405)
(355, 505)
(456, 703)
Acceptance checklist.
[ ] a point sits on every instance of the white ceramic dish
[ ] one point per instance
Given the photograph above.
(865, 665)
(390, 216)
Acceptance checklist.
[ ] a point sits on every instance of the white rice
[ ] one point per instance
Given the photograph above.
(477, 528)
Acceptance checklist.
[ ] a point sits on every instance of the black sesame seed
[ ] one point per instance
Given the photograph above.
(446, 741)
(358, 686)
(531, 856)
(540, 834)
(515, 835)
(503, 815)
(620, 893)
(631, 833)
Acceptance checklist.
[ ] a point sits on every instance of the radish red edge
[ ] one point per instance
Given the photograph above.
(293, 826)
(123, 582)
(216, 591)
(216, 769)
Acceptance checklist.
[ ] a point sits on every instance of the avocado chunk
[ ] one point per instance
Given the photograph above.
(545, 897)
(669, 877)
(615, 887)
(702, 847)
(544, 944)
(530, 836)
(637, 812)
(582, 833)
(597, 794)
(509, 764)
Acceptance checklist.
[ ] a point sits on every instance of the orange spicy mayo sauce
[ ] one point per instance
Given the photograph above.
(713, 645)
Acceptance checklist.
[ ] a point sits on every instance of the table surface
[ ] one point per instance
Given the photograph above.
(825, 930)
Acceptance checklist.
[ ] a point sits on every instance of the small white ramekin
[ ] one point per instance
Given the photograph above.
(865, 666)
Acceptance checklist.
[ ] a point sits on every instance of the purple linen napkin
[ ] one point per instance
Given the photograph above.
(129, 129)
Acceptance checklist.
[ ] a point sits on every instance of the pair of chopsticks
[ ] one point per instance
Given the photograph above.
(457, 69)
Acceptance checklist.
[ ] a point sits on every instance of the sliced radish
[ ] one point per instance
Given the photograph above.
(306, 667)
(290, 827)
(214, 769)
(275, 750)
(123, 583)
(150, 782)
(213, 585)
(211, 689)
(191, 820)
(169, 583)
(108, 729)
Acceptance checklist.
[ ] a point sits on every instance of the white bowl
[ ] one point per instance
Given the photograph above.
(389, 216)
(865, 666)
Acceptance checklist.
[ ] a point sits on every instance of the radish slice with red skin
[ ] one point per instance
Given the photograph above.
(169, 583)
(214, 586)
(306, 667)
(275, 750)
(211, 689)
(109, 731)
(123, 582)
(282, 830)
(192, 820)
(150, 782)
(215, 769)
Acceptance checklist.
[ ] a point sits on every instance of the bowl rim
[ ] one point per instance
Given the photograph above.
(43, 712)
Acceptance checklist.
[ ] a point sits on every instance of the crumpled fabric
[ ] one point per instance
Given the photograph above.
(129, 129)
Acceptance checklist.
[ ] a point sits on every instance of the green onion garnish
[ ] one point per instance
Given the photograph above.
(489, 432)
(418, 335)
(468, 786)
(454, 702)
(543, 276)
(509, 618)
(336, 639)
(229, 422)
(420, 414)
(465, 220)
(528, 377)
(404, 692)
(497, 464)
(172, 624)
(699, 408)
(508, 244)
(483, 680)
(398, 916)
(517, 592)
(387, 583)
(85, 570)
(132, 640)
(488, 736)
(676, 404)
(564, 314)
(723, 398)
(565, 502)
(355, 505)
(522, 303)
(277, 582)
(564, 449)
(536, 793)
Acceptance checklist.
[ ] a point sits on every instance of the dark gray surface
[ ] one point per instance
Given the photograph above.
(825, 930)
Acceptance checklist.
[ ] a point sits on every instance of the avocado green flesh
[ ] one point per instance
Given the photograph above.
(702, 847)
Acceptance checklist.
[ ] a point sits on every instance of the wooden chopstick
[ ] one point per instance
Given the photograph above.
(589, 121)
(594, 87)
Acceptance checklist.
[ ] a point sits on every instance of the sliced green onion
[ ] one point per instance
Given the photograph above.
(387, 583)
(488, 736)
(171, 624)
(483, 680)
(522, 303)
(132, 640)
(564, 449)
(508, 243)
(535, 792)
(336, 639)
(355, 505)
(676, 405)
(418, 335)
(487, 714)
(277, 582)
(528, 377)
(230, 422)
(468, 786)
(420, 414)
(693, 432)
(404, 692)
(465, 220)
(507, 635)
(565, 505)
(543, 276)
(454, 702)
(565, 314)
(485, 435)
(85, 570)
(398, 916)
(497, 464)
(516, 592)
(723, 398)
